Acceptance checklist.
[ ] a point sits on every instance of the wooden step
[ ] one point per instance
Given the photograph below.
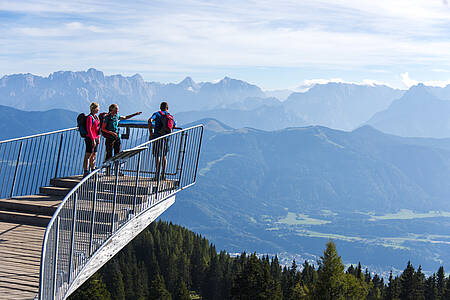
(68, 182)
(54, 190)
(24, 218)
(38, 204)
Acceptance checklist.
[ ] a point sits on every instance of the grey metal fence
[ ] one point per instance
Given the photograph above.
(109, 198)
(28, 163)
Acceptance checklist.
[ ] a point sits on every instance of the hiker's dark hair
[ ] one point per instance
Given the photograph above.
(163, 106)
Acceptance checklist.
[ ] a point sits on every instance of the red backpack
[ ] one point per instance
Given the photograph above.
(166, 123)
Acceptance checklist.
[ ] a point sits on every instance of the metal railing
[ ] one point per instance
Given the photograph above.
(28, 163)
(110, 198)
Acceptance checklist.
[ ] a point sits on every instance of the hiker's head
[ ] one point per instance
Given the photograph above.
(113, 109)
(164, 106)
(94, 107)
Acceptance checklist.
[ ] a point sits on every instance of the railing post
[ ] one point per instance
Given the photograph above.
(116, 183)
(59, 155)
(72, 239)
(136, 182)
(198, 155)
(15, 171)
(91, 235)
(180, 167)
(55, 255)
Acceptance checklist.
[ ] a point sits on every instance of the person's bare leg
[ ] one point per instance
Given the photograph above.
(85, 161)
(157, 167)
(92, 160)
(164, 164)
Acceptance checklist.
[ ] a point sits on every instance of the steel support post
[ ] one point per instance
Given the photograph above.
(94, 203)
(116, 183)
(136, 182)
(15, 171)
(59, 155)
(55, 255)
(72, 239)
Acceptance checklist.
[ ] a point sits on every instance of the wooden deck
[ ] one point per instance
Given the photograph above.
(20, 256)
(23, 221)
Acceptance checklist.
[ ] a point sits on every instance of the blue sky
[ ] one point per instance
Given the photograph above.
(274, 44)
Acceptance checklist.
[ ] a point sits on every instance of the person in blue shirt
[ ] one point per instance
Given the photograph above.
(157, 129)
(110, 129)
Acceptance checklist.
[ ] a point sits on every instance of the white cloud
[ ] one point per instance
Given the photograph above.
(409, 82)
(309, 83)
(194, 35)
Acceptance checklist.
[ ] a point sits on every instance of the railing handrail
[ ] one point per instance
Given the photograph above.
(61, 206)
(38, 135)
(62, 130)
(98, 169)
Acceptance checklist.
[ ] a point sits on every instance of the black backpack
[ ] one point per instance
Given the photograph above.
(81, 123)
(102, 117)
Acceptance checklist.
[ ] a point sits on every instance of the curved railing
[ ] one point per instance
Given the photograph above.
(28, 163)
(109, 199)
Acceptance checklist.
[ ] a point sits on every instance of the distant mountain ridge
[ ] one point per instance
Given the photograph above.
(336, 105)
(419, 113)
(17, 123)
(75, 90)
(340, 105)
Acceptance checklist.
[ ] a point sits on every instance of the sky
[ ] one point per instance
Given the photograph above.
(273, 44)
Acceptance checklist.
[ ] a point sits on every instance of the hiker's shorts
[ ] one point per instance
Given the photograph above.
(160, 147)
(90, 145)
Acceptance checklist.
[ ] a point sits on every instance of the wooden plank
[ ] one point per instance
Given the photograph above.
(20, 255)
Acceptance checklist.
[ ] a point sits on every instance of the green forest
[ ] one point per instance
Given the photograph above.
(167, 261)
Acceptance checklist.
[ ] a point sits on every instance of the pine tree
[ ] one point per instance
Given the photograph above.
(330, 282)
(407, 282)
(182, 292)
(431, 288)
(94, 289)
(158, 289)
(440, 283)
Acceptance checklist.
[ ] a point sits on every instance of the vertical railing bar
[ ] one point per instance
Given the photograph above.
(23, 170)
(15, 172)
(71, 149)
(51, 162)
(72, 239)
(46, 162)
(64, 159)
(43, 159)
(59, 155)
(138, 168)
(55, 255)
(91, 235)
(198, 154)
(117, 166)
(185, 139)
(34, 154)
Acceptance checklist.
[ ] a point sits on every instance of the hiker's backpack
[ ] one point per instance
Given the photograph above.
(81, 123)
(101, 118)
(166, 120)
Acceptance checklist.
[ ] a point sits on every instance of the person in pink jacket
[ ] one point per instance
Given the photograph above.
(92, 138)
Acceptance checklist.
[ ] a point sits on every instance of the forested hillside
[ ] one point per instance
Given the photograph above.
(167, 261)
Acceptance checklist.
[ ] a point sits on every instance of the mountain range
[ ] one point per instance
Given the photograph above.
(418, 113)
(382, 198)
(421, 111)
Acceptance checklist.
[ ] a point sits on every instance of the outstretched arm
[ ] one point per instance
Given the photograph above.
(131, 116)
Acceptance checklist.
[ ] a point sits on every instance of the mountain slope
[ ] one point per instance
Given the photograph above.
(340, 105)
(17, 123)
(417, 114)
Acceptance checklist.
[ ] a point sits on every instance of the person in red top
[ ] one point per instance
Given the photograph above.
(92, 138)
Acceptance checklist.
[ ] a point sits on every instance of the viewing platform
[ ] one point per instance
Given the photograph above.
(57, 228)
